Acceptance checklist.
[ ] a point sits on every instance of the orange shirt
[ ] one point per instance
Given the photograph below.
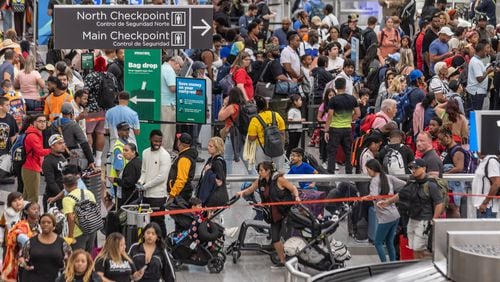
(53, 105)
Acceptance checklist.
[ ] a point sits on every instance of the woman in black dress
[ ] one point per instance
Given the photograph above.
(151, 254)
(44, 255)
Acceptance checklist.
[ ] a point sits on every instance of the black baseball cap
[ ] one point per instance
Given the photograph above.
(418, 163)
(185, 138)
(123, 126)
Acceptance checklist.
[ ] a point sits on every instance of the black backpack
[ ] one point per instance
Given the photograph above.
(106, 98)
(246, 113)
(273, 143)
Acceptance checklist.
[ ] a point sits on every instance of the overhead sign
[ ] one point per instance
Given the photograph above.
(142, 74)
(129, 27)
(191, 100)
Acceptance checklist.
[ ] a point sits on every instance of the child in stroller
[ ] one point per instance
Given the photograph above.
(200, 240)
(316, 248)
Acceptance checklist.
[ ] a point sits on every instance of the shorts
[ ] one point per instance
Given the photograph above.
(417, 240)
(95, 122)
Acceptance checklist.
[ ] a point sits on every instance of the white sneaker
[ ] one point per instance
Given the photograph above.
(324, 165)
(231, 231)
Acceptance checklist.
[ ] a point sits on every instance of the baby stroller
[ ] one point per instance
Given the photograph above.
(204, 249)
(315, 248)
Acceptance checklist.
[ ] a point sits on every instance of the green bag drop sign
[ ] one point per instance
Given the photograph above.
(191, 100)
(142, 80)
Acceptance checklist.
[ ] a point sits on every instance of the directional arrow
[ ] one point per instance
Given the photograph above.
(205, 26)
(147, 100)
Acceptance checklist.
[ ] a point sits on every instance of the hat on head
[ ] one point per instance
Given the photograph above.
(395, 56)
(482, 17)
(352, 18)
(415, 74)
(446, 30)
(452, 71)
(53, 139)
(198, 65)
(316, 20)
(67, 109)
(8, 43)
(272, 48)
(49, 67)
(418, 163)
(123, 126)
(462, 23)
(452, 13)
(185, 138)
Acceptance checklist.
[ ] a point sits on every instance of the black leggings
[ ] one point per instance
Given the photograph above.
(276, 229)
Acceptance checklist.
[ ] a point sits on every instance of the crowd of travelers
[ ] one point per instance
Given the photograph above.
(398, 103)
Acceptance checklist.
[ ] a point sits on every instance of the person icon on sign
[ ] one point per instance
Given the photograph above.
(178, 19)
(178, 39)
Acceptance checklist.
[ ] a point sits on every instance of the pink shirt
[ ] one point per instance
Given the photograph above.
(29, 85)
(381, 120)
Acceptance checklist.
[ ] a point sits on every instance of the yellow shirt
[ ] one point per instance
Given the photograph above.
(69, 206)
(256, 129)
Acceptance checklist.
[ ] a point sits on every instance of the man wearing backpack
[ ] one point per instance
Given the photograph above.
(268, 129)
(116, 67)
(396, 156)
(388, 111)
(342, 110)
(455, 160)
(423, 199)
(487, 182)
(368, 35)
(76, 237)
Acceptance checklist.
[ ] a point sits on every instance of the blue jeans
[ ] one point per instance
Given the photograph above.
(487, 214)
(7, 20)
(386, 233)
(455, 186)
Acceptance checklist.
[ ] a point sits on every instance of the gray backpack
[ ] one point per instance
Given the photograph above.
(273, 143)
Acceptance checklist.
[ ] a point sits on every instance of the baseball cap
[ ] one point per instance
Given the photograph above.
(185, 138)
(452, 71)
(198, 65)
(49, 67)
(415, 74)
(55, 138)
(272, 47)
(123, 126)
(418, 163)
(316, 20)
(395, 56)
(446, 30)
(67, 108)
(482, 17)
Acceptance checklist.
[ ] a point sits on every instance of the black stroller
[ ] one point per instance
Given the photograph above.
(314, 248)
(185, 249)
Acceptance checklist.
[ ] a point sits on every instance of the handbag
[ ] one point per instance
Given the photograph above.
(264, 89)
(286, 87)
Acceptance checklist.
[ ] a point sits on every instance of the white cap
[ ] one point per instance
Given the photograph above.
(446, 30)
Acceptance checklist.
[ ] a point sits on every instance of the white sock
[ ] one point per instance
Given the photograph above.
(98, 158)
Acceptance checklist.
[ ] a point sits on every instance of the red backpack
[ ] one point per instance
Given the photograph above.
(367, 122)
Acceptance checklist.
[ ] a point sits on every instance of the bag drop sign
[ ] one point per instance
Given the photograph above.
(132, 27)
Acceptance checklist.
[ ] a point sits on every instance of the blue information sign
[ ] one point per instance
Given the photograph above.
(191, 100)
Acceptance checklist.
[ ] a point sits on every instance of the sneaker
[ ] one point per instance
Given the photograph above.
(200, 160)
(361, 241)
(324, 165)
(278, 266)
(231, 231)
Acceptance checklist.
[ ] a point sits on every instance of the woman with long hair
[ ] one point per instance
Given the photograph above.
(151, 255)
(405, 64)
(44, 254)
(240, 69)
(273, 187)
(79, 268)
(450, 113)
(397, 86)
(335, 37)
(383, 94)
(321, 117)
(18, 235)
(130, 174)
(370, 61)
(113, 262)
(388, 217)
(233, 139)
(29, 82)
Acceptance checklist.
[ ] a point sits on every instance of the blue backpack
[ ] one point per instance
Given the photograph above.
(18, 150)
(404, 106)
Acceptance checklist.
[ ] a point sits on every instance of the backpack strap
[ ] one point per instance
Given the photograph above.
(261, 76)
(82, 195)
(486, 171)
(264, 126)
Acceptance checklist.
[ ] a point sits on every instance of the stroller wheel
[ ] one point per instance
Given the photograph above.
(215, 265)
(274, 258)
(236, 256)
(222, 256)
(177, 265)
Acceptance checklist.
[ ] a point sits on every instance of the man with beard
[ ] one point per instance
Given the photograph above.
(281, 32)
(52, 167)
(154, 174)
(58, 96)
(79, 108)
(430, 35)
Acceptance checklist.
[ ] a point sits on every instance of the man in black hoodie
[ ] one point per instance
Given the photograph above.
(182, 170)
(321, 77)
(52, 167)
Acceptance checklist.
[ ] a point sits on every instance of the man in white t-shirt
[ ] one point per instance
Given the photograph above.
(79, 103)
(487, 182)
(290, 59)
(330, 19)
(477, 79)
